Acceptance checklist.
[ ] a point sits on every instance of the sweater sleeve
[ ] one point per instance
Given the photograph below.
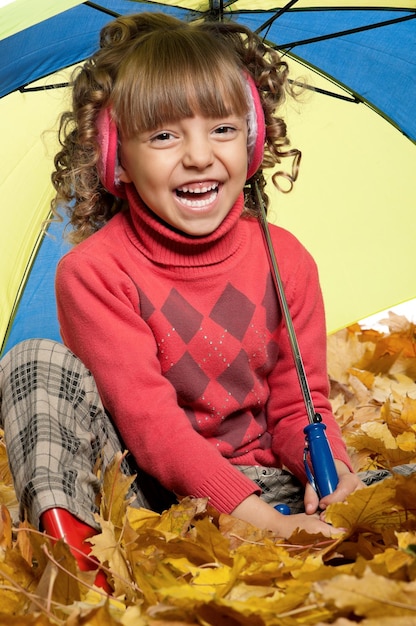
(286, 409)
(98, 313)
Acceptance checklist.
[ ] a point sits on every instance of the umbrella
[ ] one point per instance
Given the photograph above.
(353, 205)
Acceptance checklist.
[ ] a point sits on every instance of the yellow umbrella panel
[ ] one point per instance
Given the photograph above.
(354, 204)
(29, 140)
(16, 15)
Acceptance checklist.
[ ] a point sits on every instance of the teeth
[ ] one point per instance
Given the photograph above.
(197, 190)
(192, 190)
(198, 203)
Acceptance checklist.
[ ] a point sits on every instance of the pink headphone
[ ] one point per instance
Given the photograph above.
(108, 140)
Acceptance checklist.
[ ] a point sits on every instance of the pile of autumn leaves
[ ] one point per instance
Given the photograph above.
(192, 565)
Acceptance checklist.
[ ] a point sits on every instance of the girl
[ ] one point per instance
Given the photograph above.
(167, 299)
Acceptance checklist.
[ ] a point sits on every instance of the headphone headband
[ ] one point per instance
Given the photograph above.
(108, 162)
(108, 141)
(256, 128)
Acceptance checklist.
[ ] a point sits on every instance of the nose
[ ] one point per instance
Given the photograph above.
(198, 152)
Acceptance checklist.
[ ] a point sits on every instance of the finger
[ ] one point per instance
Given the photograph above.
(348, 483)
(311, 500)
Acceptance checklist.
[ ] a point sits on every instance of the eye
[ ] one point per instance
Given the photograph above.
(225, 129)
(161, 136)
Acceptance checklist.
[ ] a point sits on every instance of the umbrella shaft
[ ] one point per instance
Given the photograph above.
(300, 368)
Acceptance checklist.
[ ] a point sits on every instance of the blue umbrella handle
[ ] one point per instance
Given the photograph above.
(323, 476)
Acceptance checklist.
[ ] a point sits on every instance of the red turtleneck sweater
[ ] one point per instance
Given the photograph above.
(184, 338)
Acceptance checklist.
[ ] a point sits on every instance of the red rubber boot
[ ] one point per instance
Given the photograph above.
(61, 524)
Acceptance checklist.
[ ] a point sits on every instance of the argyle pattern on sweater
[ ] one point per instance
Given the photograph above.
(229, 371)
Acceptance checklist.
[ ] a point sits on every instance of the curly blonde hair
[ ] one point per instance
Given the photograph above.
(152, 69)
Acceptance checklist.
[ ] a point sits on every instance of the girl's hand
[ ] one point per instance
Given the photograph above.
(260, 514)
(348, 483)
(312, 524)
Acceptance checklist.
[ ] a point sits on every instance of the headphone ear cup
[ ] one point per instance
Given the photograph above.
(108, 162)
(256, 129)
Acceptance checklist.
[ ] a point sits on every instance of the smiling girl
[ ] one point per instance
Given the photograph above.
(167, 298)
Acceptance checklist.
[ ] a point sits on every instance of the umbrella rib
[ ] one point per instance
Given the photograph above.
(352, 98)
(98, 7)
(274, 17)
(92, 5)
(341, 33)
(25, 89)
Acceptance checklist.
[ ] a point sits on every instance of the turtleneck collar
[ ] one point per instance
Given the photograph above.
(165, 246)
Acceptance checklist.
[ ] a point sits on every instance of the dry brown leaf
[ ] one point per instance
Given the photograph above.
(344, 351)
(397, 620)
(96, 616)
(365, 377)
(34, 619)
(115, 491)
(369, 596)
(388, 504)
(108, 550)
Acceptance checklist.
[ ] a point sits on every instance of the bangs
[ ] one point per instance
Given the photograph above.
(174, 75)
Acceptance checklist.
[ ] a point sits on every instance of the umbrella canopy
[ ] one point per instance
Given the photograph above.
(353, 205)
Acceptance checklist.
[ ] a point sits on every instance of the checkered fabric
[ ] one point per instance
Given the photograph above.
(278, 486)
(56, 430)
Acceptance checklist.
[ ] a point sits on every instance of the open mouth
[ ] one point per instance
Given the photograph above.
(197, 196)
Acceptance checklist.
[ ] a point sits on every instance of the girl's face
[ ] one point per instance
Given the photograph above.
(190, 172)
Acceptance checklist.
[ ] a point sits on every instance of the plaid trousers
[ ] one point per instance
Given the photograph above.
(56, 430)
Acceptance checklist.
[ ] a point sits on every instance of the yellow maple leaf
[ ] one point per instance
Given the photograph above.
(367, 378)
(370, 596)
(408, 413)
(178, 519)
(406, 442)
(397, 620)
(376, 438)
(116, 486)
(141, 518)
(387, 504)
(24, 619)
(267, 563)
(344, 351)
(106, 547)
(391, 562)
(99, 615)
(212, 580)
